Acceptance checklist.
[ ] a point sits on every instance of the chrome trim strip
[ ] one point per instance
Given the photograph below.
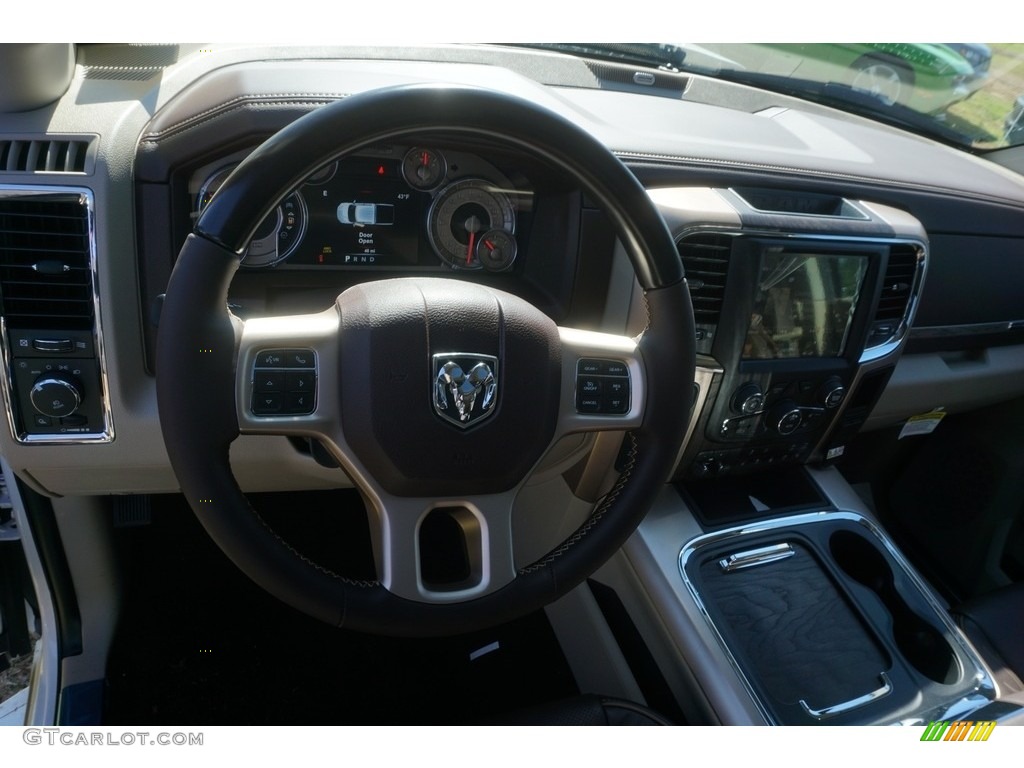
(44, 684)
(755, 557)
(861, 215)
(967, 329)
(704, 377)
(7, 377)
(848, 706)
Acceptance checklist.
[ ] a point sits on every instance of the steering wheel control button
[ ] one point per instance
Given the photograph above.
(300, 358)
(269, 381)
(270, 359)
(301, 382)
(606, 392)
(614, 368)
(298, 403)
(268, 404)
(284, 382)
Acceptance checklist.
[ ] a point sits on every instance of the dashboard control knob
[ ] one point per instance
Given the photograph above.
(748, 399)
(707, 468)
(785, 417)
(832, 392)
(56, 395)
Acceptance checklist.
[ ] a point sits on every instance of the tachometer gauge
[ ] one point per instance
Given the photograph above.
(277, 236)
(461, 214)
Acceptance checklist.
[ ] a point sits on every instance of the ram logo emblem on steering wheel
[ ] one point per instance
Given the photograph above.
(465, 387)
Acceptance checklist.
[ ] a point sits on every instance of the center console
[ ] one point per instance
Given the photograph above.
(801, 303)
(761, 582)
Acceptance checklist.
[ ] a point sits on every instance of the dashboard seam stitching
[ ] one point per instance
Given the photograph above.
(227, 107)
(685, 160)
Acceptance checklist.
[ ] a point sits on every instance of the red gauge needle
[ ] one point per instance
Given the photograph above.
(488, 245)
(469, 250)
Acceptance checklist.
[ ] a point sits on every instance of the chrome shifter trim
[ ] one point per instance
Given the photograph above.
(753, 557)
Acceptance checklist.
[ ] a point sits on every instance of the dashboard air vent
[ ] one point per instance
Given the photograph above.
(49, 155)
(45, 268)
(897, 289)
(898, 283)
(706, 262)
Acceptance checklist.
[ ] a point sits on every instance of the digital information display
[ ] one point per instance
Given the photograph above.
(803, 304)
(366, 216)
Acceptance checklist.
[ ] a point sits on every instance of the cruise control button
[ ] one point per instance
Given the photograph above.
(587, 385)
(588, 404)
(616, 404)
(619, 387)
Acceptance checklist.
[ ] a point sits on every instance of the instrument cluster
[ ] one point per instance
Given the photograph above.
(390, 208)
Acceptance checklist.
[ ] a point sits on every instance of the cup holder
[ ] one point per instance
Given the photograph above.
(921, 644)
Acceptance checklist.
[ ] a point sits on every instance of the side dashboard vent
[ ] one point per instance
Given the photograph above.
(898, 286)
(706, 263)
(45, 265)
(47, 155)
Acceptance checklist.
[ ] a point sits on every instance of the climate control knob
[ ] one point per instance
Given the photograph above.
(748, 399)
(832, 392)
(785, 417)
(56, 395)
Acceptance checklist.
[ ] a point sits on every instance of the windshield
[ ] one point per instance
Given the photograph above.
(967, 94)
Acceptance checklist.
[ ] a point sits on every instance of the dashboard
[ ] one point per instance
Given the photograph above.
(845, 278)
(798, 335)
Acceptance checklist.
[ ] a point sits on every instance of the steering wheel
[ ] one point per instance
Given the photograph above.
(437, 397)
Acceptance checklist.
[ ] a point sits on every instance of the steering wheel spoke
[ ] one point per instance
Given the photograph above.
(444, 550)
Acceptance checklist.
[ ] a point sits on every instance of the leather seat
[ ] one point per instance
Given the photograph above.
(994, 623)
(586, 710)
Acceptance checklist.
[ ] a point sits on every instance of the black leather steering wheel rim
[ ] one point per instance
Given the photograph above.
(198, 340)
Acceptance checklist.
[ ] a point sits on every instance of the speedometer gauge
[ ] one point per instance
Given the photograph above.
(461, 214)
(277, 236)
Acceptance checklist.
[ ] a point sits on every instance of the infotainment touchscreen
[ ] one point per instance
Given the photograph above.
(803, 304)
